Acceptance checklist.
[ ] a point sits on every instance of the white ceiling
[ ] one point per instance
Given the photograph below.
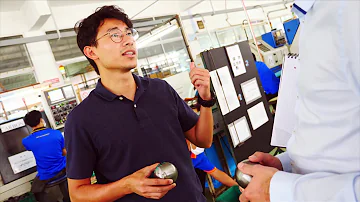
(133, 7)
(10, 5)
(14, 5)
(71, 2)
(157, 9)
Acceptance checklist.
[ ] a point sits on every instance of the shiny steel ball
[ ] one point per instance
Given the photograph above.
(166, 170)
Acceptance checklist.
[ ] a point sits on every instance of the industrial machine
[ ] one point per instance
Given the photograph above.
(275, 44)
(275, 38)
(58, 103)
(273, 57)
(291, 27)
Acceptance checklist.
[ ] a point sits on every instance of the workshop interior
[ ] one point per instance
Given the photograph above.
(43, 69)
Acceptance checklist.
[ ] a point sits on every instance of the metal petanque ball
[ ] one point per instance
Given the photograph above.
(243, 179)
(166, 170)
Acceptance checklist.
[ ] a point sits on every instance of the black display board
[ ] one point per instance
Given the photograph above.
(261, 137)
(11, 144)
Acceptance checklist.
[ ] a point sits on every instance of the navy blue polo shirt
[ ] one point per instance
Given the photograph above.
(115, 137)
(47, 145)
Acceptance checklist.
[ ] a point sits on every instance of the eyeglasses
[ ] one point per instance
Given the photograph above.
(117, 35)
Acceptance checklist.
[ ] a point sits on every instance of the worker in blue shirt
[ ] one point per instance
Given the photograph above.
(269, 81)
(48, 148)
(201, 161)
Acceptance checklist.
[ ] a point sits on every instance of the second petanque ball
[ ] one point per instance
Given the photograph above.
(241, 178)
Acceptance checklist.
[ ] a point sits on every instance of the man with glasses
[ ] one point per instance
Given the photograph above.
(129, 124)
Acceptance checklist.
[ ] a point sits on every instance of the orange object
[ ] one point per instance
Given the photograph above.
(211, 171)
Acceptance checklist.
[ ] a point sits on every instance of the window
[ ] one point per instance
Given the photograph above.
(277, 23)
(17, 81)
(13, 58)
(65, 48)
(258, 31)
(206, 42)
(15, 67)
(226, 37)
(164, 57)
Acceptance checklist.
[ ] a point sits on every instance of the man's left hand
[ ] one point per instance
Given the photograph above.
(200, 78)
(258, 189)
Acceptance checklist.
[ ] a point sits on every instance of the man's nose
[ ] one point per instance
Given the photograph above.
(128, 40)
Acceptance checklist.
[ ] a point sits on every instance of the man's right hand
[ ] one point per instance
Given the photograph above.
(266, 160)
(140, 183)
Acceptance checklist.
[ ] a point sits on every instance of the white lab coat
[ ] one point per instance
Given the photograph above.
(322, 162)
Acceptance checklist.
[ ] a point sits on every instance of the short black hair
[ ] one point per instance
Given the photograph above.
(88, 28)
(254, 56)
(32, 118)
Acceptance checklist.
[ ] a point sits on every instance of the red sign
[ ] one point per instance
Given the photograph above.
(55, 80)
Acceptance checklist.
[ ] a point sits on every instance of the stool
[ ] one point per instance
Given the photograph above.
(55, 191)
(56, 181)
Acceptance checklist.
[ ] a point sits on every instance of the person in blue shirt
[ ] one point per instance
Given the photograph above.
(48, 148)
(268, 79)
(201, 161)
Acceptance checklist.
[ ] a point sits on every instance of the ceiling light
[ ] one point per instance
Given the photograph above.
(156, 34)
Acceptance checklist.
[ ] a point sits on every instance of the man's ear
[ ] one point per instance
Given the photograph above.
(89, 52)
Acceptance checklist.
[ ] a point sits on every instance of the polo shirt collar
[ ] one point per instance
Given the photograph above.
(300, 8)
(38, 129)
(141, 84)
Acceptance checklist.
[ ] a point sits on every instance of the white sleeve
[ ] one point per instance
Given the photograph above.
(320, 186)
(285, 161)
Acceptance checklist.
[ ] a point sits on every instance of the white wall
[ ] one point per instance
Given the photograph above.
(43, 59)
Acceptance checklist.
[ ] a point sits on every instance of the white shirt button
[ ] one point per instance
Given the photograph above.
(134, 105)
(121, 98)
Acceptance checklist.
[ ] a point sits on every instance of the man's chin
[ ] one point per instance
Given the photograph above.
(130, 68)
(127, 68)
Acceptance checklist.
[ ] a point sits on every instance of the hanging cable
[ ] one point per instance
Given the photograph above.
(227, 14)
(251, 29)
(212, 7)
